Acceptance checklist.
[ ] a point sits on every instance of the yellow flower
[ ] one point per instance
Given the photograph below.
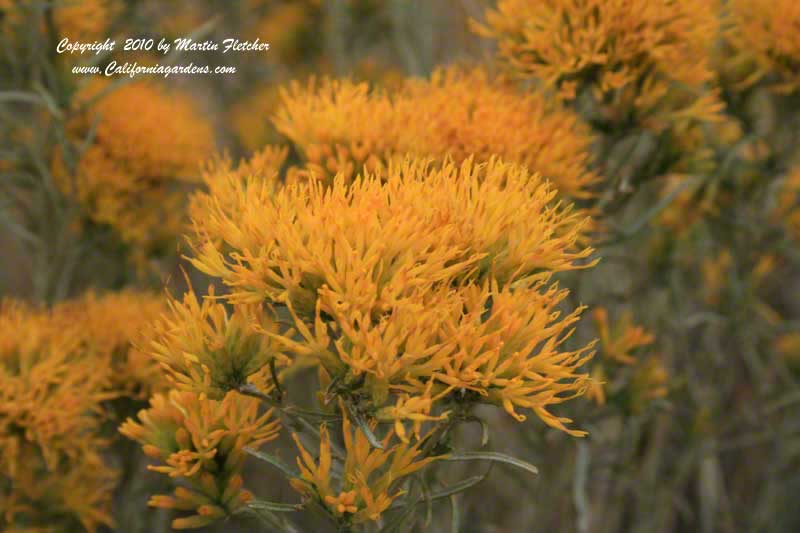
(788, 346)
(366, 487)
(51, 391)
(595, 390)
(109, 324)
(205, 349)
(464, 113)
(414, 223)
(292, 29)
(227, 188)
(52, 387)
(618, 342)
(630, 57)
(417, 409)
(508, 350)
(76, 491)
(201, 441)
(132, 174)
(85, 20)
(341, 126)
(412, 283)
(338, 126)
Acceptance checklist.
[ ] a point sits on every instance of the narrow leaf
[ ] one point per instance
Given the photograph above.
(491, 456)
(273, 507)
(274, 461)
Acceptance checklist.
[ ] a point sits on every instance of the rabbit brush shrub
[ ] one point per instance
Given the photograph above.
(417, 291)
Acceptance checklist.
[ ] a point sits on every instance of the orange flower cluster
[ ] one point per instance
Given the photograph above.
(228, 186)
(56, 370)
(110, 326)
(205, 349)
(342, 126)
(369, 476)
(629, 57)
(201, 442)
(410, 284)
(132, 174)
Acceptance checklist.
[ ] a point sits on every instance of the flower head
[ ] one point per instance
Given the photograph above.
(207, 349)
(52, 387)
(629, 57)
(109, 325)
(132, 174)
(367, 486)
(342, 127)
(412, 283)
(201, 441)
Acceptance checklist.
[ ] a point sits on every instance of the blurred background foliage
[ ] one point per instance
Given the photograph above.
(675, 125)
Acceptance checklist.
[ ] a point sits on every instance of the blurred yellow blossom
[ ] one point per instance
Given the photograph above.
(630, 57)
(341, 126)
(109, 325)
(787, 210)
(132, 175)
(716, 273)
(250, 117)
(51, 391)
(76, 20)
(650, 381)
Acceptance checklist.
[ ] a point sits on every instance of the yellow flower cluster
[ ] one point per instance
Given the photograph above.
(205, 349)
(464, 113)
(56, 370)
(414, 285)
(201, 441)
(341, 126)
(133, 174)
(629, 57)
(369, 476)
(764, 36)
(110, 327)
(338, 125)
(227, 186)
